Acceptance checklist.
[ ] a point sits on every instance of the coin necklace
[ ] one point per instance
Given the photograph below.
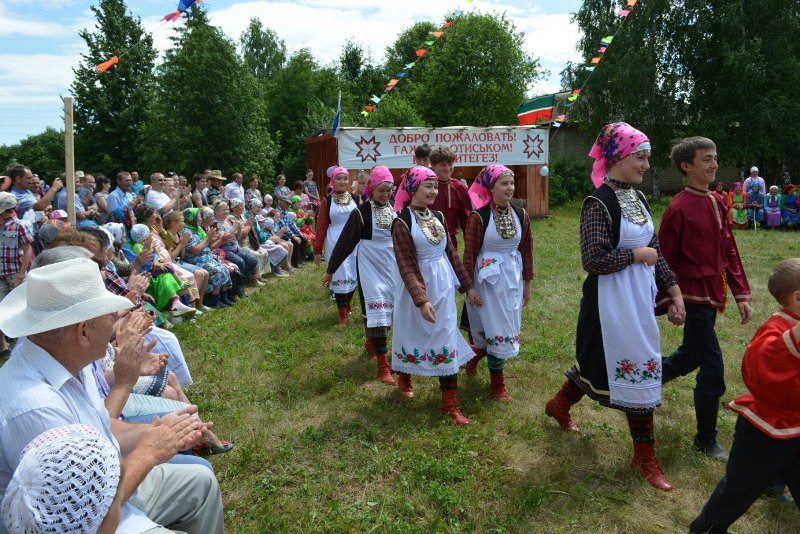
(430, 226)
(504, 222)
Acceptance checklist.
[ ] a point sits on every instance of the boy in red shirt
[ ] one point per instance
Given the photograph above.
(698, 244)
(766, 443)
(453, 199)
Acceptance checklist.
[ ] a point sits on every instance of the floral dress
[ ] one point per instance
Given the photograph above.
(218, 274)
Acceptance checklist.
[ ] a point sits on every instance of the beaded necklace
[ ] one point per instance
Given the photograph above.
(430, 225)
(504, 222)
(383, 214)
(342, 199)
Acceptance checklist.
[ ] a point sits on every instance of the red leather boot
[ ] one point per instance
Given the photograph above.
(558, 408)
(498, 386)
(450, 406)
(645, 463)
(384, 373)
(404, 385)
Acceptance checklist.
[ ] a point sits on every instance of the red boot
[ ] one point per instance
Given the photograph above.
(384, 374)
(558, 408)
(472, 365)
(344, 319)
(404, 385)
(369, 346)
(498, 386)
(645, 463)
(450, 407)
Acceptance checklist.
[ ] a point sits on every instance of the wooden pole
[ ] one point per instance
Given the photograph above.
(69, 159)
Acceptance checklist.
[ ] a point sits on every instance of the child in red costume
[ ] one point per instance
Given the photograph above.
(766, 443)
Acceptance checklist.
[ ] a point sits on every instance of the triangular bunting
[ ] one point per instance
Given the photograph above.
(105, 65)
(421, 52)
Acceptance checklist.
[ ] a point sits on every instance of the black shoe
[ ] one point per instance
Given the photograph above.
(711, 448)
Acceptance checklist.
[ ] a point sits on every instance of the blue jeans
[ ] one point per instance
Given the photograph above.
(700, 348)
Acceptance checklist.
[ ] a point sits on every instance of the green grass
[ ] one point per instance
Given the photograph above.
(322, 447)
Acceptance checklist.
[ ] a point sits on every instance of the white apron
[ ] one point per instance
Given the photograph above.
(418, 346)
(626, 303)
(495, 326)
(376, 267)
(344, 279)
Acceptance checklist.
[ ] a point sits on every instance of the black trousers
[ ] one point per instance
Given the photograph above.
(755, 460)
(700, 348)
(299, 251)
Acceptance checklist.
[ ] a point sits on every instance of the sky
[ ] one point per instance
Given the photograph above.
(38, 53)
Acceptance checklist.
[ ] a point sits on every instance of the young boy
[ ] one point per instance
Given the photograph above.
(453, 199)
(766, 443)
(699, 247)
(15, 252)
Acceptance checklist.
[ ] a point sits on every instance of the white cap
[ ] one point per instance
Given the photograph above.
(753, 169)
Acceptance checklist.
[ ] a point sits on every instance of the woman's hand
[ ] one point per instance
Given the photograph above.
(428, 312)
(526, 293)
(474, 298)
(646, 255)
(326, 278)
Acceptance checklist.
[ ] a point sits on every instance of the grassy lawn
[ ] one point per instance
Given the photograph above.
(322, 447)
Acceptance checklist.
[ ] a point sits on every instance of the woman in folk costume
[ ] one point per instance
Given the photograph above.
(738, 204)
(772, 208)
(334, 212)
(790, 208)
(498, 252)
(369, 229)
(425, 338)
(618, 352)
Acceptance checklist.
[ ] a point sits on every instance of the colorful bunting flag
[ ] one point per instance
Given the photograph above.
(536, 109)
(576, 91)
(631, 3)
(561, 118)
(595, 60)
(365, 113)
(606, 40)
(105, 65)
(572, 98)
(623, 12)
(429, 43)
(393, 81)
(448, 24)
(421, 52)
(556, 125)
(589, 69)
(437, 34)
(401, 74)
(369, 108)
(375, 99)
(409, 65)
(602, 49)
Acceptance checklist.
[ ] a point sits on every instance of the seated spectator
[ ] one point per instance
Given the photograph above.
(245, 260)
(790, 210)
(135, 290)
(235, 189)
(214, 190)
(199, 198)
(277, 231)
(198, 250)
(252, 191)
(162, 195)
(277, 254)
(755, 205)
(267, 202)
(738, 204)
(67, 317)
(772, 208)
(124, 196)
(101, 192)
(307, 229)
(175, 240)
(247, 239)
(299, 191)
(60, 467)
(293, 233)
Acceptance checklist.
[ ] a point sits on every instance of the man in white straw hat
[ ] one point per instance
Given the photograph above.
(66, 316)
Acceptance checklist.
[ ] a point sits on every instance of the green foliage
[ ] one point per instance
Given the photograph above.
(43, 153)
(209, 110)
(475, 75)
(110, 107)
(569, 179)
(263, 52)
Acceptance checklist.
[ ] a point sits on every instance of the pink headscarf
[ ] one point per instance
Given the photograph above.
(616, 142)
(414, 177)
(480, 192)
(336, 172)
(379, 175)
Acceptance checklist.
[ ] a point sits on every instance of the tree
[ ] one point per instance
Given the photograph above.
(394, 111)
(263, 52)
(110, 107)
(210, 112)
(640, 78)
(475, 75)
(43, 153)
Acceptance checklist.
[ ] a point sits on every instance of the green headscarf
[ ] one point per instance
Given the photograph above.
(191, 217)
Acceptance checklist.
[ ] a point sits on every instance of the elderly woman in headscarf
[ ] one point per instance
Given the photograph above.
(127, 219)
(260, 236)
(738, 204)
(192, 280)
(425, 338)
(334, 212)
(203, 239)
(498, 253)
(772, 208)
(790, 208)
(369, 229)
(618, 343)
(247, 239)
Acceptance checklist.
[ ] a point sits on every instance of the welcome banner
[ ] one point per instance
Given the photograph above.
(363, 148)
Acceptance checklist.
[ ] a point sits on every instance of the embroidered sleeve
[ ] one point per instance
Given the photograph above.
(526, 249)
(473, 241)
(322, 225)
(351, 235)
(597, 248)
(406, 255)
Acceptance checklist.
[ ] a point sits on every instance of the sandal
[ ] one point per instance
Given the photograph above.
(209, 450)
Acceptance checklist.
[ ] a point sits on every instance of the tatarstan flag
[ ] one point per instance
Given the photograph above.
(536, 109)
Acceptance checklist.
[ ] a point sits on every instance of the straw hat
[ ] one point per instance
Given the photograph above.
(58, 295)
(217, 175)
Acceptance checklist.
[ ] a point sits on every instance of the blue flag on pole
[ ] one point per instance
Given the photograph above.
(338, 116)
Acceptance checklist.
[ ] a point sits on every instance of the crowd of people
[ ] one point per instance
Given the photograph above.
(752, 205)
(93, 391)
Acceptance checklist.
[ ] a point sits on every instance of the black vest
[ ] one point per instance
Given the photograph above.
(608, 198)
(485, 211)
(405, 216)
